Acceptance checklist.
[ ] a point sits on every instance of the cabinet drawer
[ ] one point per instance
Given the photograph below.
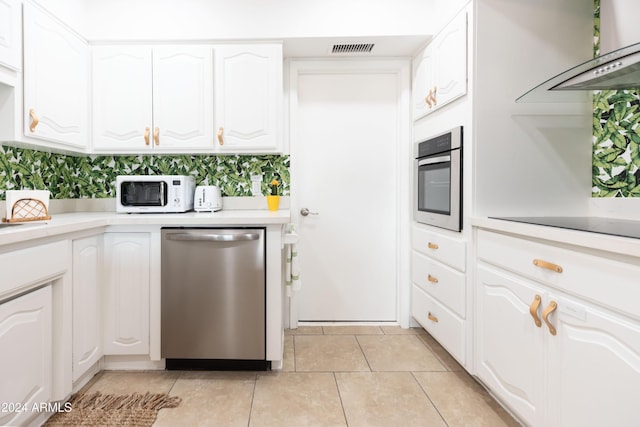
(441, 323)
(441, 282)
(602, 280)
(445, 249)
(32, 266)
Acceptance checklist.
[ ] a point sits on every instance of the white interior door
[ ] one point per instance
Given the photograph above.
(344, 147)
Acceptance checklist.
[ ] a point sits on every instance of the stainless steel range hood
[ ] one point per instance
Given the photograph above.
(619, 69)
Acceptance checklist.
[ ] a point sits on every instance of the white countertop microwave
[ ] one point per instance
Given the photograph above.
(154, 193)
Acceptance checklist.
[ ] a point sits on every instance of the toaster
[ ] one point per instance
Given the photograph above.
(207, 198)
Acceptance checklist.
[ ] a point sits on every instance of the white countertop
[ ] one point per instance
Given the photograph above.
(79, 221)
(597, 241)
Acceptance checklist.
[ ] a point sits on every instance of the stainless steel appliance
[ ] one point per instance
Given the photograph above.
(437, 181)
(213, 298)
(154, 193)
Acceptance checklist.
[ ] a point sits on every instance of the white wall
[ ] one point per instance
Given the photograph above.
(530, 159)
(250, 19)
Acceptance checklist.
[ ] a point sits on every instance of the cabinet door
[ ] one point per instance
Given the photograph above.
(183, 98)
(594, 367)
(10, 30)
(56, 80)
(87, 309)
(422, 82)
(509, 345)
(450, 74)
(122, 109)
(248, 93)
(26, 369)
(126, 297)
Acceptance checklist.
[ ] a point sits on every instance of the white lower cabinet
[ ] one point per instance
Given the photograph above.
(438, 294)
(26, 355)
(594, 367)
(551, 357)
(509, 351)
(87, 299)
(126, 293)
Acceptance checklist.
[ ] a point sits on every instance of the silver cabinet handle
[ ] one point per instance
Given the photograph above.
(214, 237)
(305, 212)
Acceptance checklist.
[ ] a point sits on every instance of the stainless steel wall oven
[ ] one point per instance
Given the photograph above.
(438, 180)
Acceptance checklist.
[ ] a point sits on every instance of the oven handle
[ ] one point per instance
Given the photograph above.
(434, 160)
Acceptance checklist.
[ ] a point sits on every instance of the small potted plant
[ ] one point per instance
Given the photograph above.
(273, 199)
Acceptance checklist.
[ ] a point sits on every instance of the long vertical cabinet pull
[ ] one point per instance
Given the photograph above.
(146, 135)
(220, 138)
(533, 309)
(545, 316)
(156, 136)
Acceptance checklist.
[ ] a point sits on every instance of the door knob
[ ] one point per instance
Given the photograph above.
(305, 212)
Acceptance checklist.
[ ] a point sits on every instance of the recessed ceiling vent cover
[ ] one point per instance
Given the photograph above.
(347, 48)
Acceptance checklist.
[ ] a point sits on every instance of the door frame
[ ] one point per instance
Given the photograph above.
(401, 69)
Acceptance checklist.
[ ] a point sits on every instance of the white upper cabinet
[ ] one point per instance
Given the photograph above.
(183, 98)
(122, 103)
(248, 93)
(152, 99)
(56, 80)
(440, 74)
(10, 31)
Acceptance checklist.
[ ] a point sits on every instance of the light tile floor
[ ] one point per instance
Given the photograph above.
(332, 376)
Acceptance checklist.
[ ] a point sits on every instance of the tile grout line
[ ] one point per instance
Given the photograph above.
(429, 397)
(444, 365)
(363, 353)
(253, 395)
(344, 412)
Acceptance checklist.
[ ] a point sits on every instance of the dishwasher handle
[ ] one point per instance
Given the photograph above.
(213, 237)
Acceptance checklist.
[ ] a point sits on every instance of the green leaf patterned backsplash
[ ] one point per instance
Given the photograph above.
(616, 136)
(70, 177)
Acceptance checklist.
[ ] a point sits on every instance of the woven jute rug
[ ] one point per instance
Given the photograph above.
(97, 409)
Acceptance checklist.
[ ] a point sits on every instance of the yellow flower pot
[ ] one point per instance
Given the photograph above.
(273, 202)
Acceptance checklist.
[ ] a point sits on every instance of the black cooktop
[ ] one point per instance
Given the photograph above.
(611, 226)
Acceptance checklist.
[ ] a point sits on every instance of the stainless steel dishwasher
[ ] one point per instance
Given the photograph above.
(213, 298)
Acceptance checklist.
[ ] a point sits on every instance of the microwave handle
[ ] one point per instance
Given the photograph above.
(163, 193)
(434, 160)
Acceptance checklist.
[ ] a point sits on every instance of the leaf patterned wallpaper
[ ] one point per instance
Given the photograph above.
(616, 137)
(70, 177)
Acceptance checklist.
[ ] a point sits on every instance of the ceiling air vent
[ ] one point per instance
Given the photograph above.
(347, 48)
